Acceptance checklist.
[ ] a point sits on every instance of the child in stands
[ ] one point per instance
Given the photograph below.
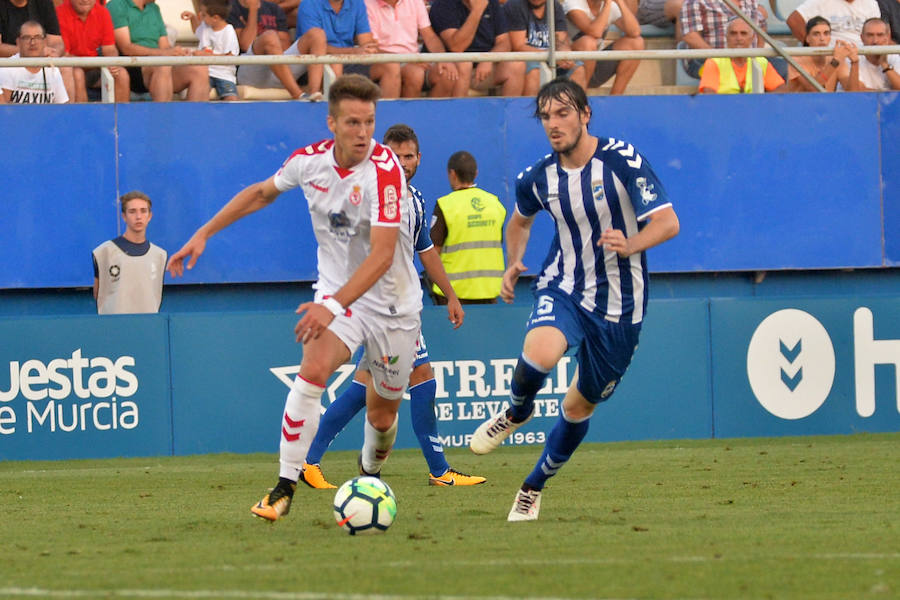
(216, 37)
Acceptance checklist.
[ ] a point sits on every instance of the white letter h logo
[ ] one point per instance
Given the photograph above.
(869, 352)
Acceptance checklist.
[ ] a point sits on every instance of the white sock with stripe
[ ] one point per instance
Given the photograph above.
(377, 446)
(302, 411)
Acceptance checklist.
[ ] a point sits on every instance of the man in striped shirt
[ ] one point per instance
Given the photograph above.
(609, 207)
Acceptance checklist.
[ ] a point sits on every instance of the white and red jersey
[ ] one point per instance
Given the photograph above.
(344, 205)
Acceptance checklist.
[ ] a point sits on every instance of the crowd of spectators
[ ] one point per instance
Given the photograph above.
(357, 27)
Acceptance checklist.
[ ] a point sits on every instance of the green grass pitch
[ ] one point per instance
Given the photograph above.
(775, 518)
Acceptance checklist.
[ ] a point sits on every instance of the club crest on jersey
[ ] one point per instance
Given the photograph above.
(114, 271)
(356, 196)
(647, 193)
(597, 191)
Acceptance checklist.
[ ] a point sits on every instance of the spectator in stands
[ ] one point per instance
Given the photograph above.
(397, 26)
(344, 23)
(128, 270)
(660, 13)
(478, 26)
(139, 31)
(216, 37)
(87, 30)
(14, 13)
(824, 69)
(589, 21)
(877, 72)
(467, 231)
(890, 12)
(846, 17)
(739, 75)
(703, 25)
(529, 31)
(32, 85)
(262, 30)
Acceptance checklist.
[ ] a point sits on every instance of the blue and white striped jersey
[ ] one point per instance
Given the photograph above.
(421, 234)
(616, 189)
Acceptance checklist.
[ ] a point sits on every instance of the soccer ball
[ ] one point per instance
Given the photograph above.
(364, 505)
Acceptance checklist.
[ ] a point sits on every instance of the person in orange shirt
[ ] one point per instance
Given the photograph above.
(735, 75)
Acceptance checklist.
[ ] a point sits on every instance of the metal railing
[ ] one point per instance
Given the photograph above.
(549, 57)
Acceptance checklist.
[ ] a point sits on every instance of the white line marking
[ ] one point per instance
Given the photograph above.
(45, 593)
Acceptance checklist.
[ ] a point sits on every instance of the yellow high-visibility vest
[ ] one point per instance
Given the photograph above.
(473, 251)
(728, 83)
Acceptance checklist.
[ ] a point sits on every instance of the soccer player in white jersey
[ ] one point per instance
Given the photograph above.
(367, 291)
(591, 295)
(422, 386)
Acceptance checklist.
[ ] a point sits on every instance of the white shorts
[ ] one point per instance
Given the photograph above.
(389, 345)
(261, 76)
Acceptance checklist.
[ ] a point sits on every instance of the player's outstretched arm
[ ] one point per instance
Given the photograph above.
(247, 201)
(518, 230)
(431, 260)
(662, 226)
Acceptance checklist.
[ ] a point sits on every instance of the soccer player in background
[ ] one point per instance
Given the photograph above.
(367, 292)
(609, 207)
(422, 387)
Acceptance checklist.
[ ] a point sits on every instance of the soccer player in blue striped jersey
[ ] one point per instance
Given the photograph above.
(591, 295)
(422, 387)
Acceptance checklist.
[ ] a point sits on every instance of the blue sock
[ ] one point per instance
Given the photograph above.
(336, 417)
(421, 412)
(564, 438)
(527, 380)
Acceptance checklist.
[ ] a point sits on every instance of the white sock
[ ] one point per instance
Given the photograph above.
(299, 424)
(377, 446)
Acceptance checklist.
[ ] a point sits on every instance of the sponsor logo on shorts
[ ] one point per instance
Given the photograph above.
(609, 389)
(391, 388)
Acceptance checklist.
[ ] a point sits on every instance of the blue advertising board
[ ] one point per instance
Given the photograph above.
(80, 387)
(84, 387)
(751, 192)
(890, 175)
(805, 366)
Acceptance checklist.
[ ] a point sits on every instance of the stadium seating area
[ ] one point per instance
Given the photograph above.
(653, 77)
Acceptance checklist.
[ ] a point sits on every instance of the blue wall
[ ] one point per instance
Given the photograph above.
(790, 181)
(196, 383)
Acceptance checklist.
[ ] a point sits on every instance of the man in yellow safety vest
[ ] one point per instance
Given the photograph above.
(739, 75)
(467, 230)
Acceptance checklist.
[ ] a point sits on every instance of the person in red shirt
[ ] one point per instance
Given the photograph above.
(87, 30)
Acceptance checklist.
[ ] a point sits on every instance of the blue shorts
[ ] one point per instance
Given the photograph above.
(603, 348)
(223, 87)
